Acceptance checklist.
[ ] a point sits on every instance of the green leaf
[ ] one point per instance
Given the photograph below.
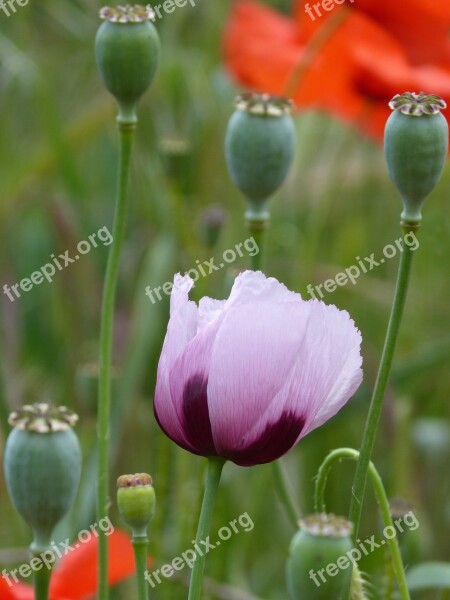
(429, 575)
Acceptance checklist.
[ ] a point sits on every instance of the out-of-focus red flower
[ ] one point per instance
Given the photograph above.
(379, 48)
(75, 577)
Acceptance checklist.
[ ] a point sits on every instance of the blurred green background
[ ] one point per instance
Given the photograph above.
(58, 149)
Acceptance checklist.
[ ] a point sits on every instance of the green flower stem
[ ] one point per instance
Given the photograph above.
(106, 336)
(258, 234)
(41, 581)
(376, 405)
(215, 466)
(322, 475)
(284, 492)
(258, 231)
(140, 546)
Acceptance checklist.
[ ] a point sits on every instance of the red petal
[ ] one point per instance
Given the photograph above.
(260, 46)
(76, 575)
(421, 26)
(14, 591)
(356, 71)
(262, 51)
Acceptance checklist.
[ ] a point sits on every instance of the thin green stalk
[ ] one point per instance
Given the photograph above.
(41, 581)
(215, 466)
(258, 234)
(376, 405)
(140, 545)
(105, 358)
(322, 475)
(258, 231)
(284, 492)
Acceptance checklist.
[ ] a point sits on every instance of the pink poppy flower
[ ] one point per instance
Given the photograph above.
(246, 378)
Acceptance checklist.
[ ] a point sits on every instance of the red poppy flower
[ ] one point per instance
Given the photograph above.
(378, 49)
(75, 577)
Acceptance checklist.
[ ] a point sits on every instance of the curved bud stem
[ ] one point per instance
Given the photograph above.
(321, 481)
(376, 405)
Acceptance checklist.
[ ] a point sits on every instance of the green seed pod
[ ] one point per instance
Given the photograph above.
(318, 567)
(415, 146)
(127, 52)
(259, 148)
(42, 464)
(136, 501)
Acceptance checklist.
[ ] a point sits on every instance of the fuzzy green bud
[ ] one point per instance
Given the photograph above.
(411, 540)
(136, 501)
(42, 465)
(127, 52)
(318, 566)
(212, 220)
(259, 149)
(415, 146)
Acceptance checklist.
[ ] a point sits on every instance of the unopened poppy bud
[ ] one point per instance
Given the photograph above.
(127, 51)
(212, 220)
(415, 146)
(259, 148)
(42, 465)
(412, 536)
(315, 569)
(136, 501)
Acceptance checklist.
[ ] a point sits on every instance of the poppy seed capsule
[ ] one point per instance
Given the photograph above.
(415, 146)
(42, 465)
(313, 569)
(127, 52)
(259, 148)
(136, 501)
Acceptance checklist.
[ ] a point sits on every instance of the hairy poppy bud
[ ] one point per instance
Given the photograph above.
(259, 148)
(212, 220)
(42, 467)
(318, 551)
(127, 52)
(136, 501)
(416, 146)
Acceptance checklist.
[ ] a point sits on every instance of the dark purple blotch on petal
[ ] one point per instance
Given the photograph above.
(197, 425)
(276, 439)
